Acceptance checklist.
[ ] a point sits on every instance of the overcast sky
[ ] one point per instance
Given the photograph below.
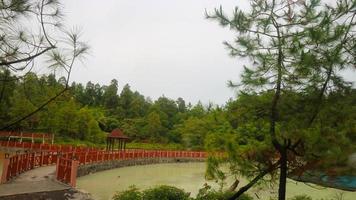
(158, 47)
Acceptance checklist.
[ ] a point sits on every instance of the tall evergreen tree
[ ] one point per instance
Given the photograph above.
(21, 46)
(294, 46)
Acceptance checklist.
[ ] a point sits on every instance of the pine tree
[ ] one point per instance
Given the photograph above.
(20, 45)
(294, 46)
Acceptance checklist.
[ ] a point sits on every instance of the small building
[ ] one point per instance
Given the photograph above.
(116, 135)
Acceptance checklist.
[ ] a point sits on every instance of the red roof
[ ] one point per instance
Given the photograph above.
(117, 133)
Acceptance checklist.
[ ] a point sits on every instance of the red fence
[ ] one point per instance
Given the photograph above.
(67, 158)
(101, 156)
(23, 135)
(19, 163)
(68, 163)
(66, 170)
(45, 147)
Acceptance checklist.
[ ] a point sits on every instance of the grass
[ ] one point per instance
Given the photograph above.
(130, 145)
(154, 146)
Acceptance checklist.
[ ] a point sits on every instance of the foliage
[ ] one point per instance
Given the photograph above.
(156, 146)
(131, 194)
(165, 193)
(301, 197)
(207, 193)
(21, 46)
(64, 117)
(160, 192)
(83, 113)
(296, 50)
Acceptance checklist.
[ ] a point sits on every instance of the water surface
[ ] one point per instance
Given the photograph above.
(188, 176)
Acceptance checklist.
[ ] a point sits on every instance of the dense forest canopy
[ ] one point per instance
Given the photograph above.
(85, 112)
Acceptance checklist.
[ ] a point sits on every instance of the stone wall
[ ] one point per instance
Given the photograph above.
(97, 167)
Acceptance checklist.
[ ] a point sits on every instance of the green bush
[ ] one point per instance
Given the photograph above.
(213, 195)
(172, 193)
(207, 193)
(301, 197)
(165, 193)
(158, 193)
(131, 194)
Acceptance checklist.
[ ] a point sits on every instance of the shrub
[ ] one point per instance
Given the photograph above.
(172, 193)
(165, 193)
(206, 193)
(301, 197)
(131, 194)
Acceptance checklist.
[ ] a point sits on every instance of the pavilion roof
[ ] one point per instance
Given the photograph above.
(117, 133)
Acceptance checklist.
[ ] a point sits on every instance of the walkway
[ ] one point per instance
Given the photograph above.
(35, 172)
(41, 179)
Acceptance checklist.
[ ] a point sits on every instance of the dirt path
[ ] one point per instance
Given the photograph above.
(38, 184)
(36, 180)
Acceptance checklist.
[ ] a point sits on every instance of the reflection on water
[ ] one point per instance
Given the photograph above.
(188, 176)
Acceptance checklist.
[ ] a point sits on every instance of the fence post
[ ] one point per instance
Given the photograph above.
(5, 169)
(17, 163)
(85, 157)
(73, 173)
(42, 157)
(57, 166)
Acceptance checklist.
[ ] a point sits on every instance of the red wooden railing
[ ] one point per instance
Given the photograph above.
(67, 158)
(45, 147)
(66, 170)
(68, 163)
(24, 135)
(19, 163)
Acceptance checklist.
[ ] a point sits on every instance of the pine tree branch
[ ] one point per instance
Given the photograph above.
(29, 58)
(254, 181)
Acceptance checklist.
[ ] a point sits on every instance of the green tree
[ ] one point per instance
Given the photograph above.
(167, 109)
(193, 132)
(197, 110)
(20, 104)
(125, 100)
(154, 128)
(21, 46)
(110, 96)
(181, 105)
(294, 47)
(6, 92)
(138, 107)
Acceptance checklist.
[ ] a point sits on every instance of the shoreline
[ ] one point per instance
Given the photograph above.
(67, 194)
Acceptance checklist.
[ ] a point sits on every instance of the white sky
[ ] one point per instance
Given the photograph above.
(159, 47)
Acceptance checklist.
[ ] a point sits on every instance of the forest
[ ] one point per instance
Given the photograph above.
(85, 113)
(293, 111)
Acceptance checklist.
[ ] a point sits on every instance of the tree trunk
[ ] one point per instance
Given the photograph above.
(254, 181)
(234, 185)
(283, 174)
(248, 186)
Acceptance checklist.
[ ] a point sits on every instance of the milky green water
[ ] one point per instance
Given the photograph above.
(188, 176)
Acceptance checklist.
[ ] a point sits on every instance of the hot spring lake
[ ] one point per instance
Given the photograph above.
(188, 176)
